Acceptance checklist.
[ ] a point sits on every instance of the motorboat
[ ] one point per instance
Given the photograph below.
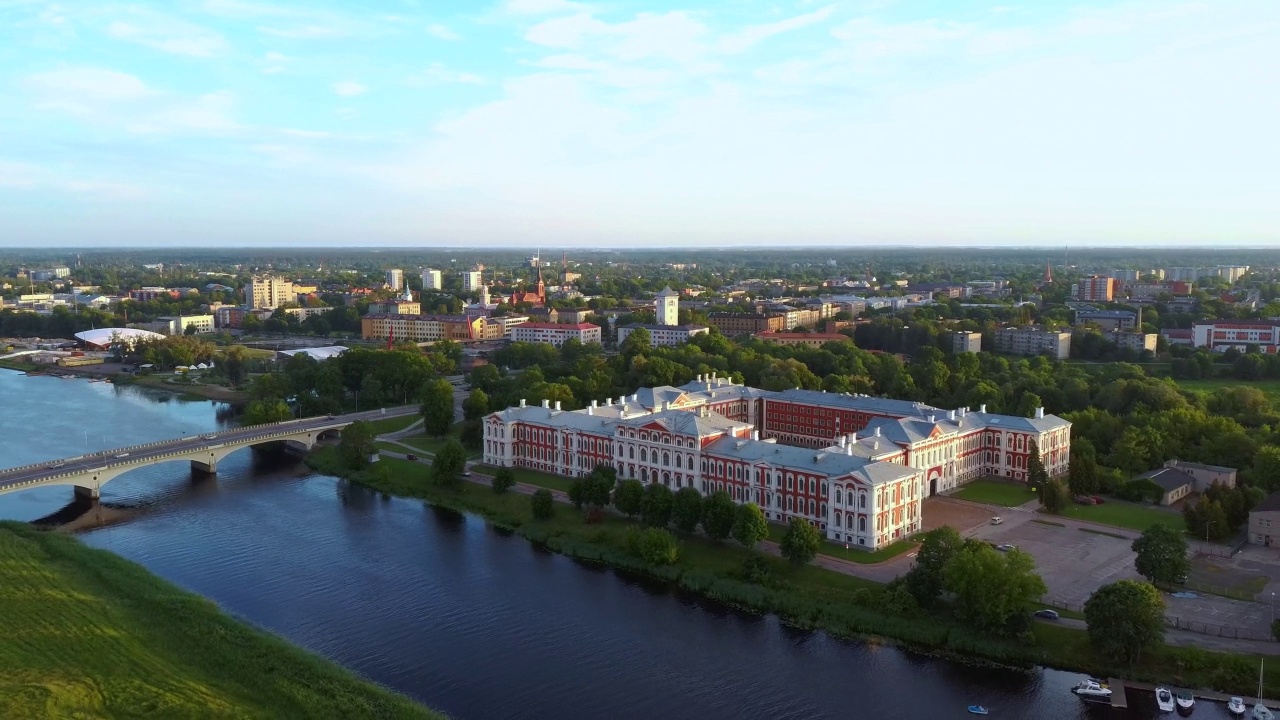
(1093, 690)
(1235, 706)
(1164, 699)
(1185, 700)
(977, 710)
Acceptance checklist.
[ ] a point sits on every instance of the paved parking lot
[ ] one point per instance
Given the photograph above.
(1074, 562)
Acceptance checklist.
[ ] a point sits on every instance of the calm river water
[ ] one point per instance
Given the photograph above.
(466, 619)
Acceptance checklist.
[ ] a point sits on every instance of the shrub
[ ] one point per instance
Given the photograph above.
(655, 546)
(755, 569)
(503, 480)
(543, 505)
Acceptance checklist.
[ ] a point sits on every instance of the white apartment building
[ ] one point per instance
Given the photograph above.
(395, 279)
(472, 280)
(268, 292)
(555, 333)
(1133, 340)
(1034, 341)
(664, 335)
(431, 280)
(966, 342)
(177, 324)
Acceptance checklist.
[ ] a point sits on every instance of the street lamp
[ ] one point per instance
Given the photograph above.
(1206, 530)
(1273, 607)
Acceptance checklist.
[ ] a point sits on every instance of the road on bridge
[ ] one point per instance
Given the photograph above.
(138, 455)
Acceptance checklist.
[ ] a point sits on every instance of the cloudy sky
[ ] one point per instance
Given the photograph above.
(554, 123)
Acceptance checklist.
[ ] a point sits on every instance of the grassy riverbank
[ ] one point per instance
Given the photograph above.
(809, 596)
(85, 633)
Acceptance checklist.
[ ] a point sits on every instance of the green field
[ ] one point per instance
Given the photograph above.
(1271, 388)
(996, 492)
(87, 634)
(851, 553)
(1133, 517)
(532, 477)
(383, 426)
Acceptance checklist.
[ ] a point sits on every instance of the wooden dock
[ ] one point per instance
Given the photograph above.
(1118, 697)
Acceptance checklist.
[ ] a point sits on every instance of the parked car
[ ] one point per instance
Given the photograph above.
(1097, 499)
(1084, 500)
(466, 473)
(411, 457)
(1047, 614)
(997, 520)
(1006, 547)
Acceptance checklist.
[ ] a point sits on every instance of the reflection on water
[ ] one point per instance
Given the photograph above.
(483, 624)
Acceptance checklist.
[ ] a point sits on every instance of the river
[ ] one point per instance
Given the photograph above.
(467, 619)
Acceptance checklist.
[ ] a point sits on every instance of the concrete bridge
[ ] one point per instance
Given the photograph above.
(88, 473)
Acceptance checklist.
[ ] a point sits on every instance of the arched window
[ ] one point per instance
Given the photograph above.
(644, 475)
(631, 453)
(666, 479)
(690, 462)
(862, 499)
(643, 456)
(811, 507)
(839, 501)
(862, 524)
(666, 459)
(789, 505)
(848, 521)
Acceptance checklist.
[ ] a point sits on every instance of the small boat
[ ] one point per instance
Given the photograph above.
(1260, 711)
(1235, 706)
(1185, 700)
(977, 710)
(1164, 699)
(1093, 690)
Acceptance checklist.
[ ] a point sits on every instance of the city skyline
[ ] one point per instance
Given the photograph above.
(565, 124)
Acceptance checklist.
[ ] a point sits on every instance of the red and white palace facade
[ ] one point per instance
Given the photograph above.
(856, 466)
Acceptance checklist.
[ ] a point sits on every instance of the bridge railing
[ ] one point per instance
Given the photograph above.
(252, 440)
(131, 448)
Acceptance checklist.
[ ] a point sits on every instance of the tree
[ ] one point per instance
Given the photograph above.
(655, 546)
(266, 411)
(356, 444)
(637, 343)
(503, 480)
(597, 486)
(656, 505)
(450, 461)
(801, 541)
(686, 509)
(1162, 554)
(578, 493)
(475, 406)
(1082, 478)
(925, 579)
(1265, 472)
(437, 407)
(629, 495)
(992, 588)
(1054, 496)
(235, 363)
(750, 527)
(1125, 618)
(718, 514)
(1036, 475)
(542, 504)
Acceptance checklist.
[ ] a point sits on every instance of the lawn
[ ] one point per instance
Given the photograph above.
(1271, 388)
(851, 553)
(86, 633)
(996, 492)
(532, 477)
(393, 424)
(1118, 514)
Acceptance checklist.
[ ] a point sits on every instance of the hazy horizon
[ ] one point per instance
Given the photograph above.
(526, 123)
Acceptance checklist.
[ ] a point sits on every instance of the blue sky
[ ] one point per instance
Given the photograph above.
(554, 123)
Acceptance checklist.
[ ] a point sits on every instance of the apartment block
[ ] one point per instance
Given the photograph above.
(555, 333)
(1034, 341)
(268, 292)
(966, 341)
(737, 324)
(1096, 289)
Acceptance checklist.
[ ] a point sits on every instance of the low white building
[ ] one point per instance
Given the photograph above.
(555, 333)
(664, 335)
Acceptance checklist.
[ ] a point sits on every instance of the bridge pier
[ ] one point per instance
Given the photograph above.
(86, 493)
(208, 468)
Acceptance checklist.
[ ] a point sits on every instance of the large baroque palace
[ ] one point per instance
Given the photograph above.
(856, 466)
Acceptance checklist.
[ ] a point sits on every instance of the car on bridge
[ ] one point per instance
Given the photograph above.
(208, 437)
(56, 465)
(122, 455)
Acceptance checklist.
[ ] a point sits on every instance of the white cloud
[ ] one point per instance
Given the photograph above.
(304, 32)
(75, 86)
(348, 88)
(672, 35)
(438, 74)
(306, 134)
(442, 32)
(167, 35)
(749, 36)
(210, 113)
(540, 7)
